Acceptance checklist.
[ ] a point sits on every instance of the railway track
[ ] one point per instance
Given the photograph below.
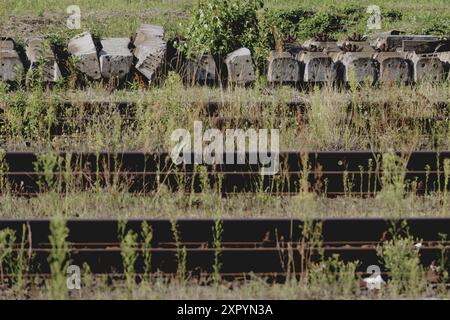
(303, 61)
(358, 173)
(273, 248)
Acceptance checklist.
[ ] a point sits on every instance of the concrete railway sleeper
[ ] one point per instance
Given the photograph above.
(402, 59)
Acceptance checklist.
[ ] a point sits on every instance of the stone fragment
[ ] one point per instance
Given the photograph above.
(82, 46)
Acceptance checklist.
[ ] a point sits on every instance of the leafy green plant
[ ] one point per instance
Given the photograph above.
(299, 23)
(311, 245)
(4, 168)
(393, 15)
(217, 240)
(181, 252)
(35, 77)
(393, 178)
(219, 27)
(72, 71)
(321, 22)
(49, 165)
(59, 257)
(20, 267)
(402, 260)
(128, 246)
(446, 184)
(87, 280)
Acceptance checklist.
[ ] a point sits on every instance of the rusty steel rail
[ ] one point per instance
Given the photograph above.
(357, 173)
(272, 248)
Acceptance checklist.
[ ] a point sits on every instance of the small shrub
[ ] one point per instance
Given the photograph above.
(288, 23)
(393, 15)
(402, 260)
(437, 27)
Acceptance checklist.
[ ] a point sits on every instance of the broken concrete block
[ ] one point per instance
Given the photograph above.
(82, 46)
(430, 46)
(426, 67)
(115, 58)
(317, 67)
(445, 58)
(201, 70)
(394, 42)
(283, 68)
(6, 44)
(10, 63)
(150, 50)
(359, 66)
(240, 67)
(393, 67)
(325, 46)
(38, 52)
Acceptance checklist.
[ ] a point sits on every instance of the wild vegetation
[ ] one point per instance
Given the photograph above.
(35, 117)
